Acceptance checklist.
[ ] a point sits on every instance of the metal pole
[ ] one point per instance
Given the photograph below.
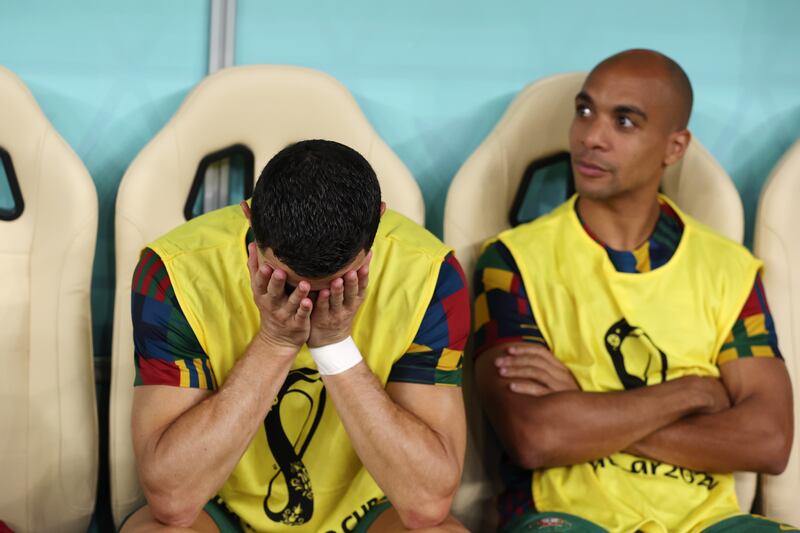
(221, 47)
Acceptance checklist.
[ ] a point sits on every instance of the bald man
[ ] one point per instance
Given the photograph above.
(625, 353)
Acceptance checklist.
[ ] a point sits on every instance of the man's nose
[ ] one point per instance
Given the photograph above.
(595, 134)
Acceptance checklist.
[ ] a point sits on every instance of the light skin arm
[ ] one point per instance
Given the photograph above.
(411, 438)
(188, 441)
(545, 420)
(755, 434)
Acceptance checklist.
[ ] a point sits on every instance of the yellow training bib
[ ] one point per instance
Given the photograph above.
(300, 469)
(618, 331)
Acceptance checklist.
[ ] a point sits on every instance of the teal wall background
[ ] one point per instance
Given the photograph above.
(433, 76)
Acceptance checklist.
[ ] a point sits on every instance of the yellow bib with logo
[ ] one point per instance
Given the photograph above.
(300, 469)
(617, 331)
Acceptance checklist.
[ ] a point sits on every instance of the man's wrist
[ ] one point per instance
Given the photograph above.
(705, 397)
(275, 347)
(322, 338)
(335, 358)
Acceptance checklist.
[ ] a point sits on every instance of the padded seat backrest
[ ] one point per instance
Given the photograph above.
(777, 243)
(48, 416)
(265, 108)
(535, 127)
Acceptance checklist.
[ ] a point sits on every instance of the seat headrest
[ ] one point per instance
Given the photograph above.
(55, 186)
(265, 108)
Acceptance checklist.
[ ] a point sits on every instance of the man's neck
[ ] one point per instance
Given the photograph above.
(621, 223)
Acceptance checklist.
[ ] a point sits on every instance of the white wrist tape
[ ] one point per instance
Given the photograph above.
(336, 358)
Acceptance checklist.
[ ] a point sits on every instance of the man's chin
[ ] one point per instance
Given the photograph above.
(594, 190)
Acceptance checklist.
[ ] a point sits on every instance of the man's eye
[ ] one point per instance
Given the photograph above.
(625, 122)
(582, 111)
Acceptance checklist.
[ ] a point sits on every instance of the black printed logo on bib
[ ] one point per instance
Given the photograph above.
(300, 390)
(637, 360)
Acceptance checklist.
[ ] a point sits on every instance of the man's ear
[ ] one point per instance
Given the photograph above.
(383, 208)
(246, 211)
(677, 145)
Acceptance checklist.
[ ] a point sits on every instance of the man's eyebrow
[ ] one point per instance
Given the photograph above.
(630, 110)
(625, 109)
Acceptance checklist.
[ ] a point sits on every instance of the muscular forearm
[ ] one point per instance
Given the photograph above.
(743, 438)
(417, 468)
(187, 462)
(572, 427)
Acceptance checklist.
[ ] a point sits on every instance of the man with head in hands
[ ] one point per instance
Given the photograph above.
(626, 355)
(299, 361)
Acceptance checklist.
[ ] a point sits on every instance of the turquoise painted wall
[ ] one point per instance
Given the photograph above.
(435, 76)
(108, 75)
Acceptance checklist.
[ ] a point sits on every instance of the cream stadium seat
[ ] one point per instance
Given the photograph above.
(479, 205)
(263, 108)
(48, 415)
(777, 243)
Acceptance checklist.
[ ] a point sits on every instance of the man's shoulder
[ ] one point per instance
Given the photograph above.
(221, 227)
(538, 229)
(396, 229)
(713, 244)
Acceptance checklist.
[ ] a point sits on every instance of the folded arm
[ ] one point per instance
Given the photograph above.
(543, 421)
(755, 434)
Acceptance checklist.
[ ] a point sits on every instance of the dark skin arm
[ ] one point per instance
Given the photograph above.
(545, 420)
(753, 434)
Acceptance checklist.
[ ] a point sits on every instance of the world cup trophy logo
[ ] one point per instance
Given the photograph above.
(301, 392)
(637, 360)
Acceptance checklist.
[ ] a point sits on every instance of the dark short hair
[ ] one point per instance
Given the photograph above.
(316, 205)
